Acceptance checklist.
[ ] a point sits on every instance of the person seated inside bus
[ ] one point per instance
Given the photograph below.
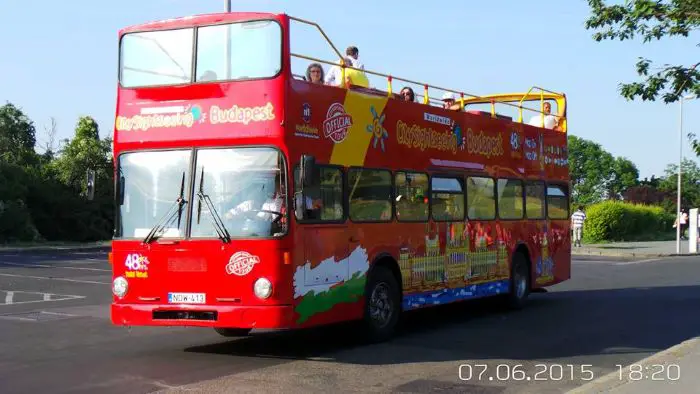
(262, 201)
(206, 76)
(312, 206)
(314, 73)
(407, 94)
(550, 121)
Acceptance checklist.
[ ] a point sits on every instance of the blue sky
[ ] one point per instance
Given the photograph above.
(60, 59)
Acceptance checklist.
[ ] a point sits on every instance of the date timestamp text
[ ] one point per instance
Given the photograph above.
(517, 372)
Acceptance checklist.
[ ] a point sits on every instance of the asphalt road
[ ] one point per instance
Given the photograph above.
(56, 337)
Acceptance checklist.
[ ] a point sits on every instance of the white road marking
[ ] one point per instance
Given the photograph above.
(58, 313)
(59, 279)
(46, 297)
(55, 266)
(641, 261)
(576, 261)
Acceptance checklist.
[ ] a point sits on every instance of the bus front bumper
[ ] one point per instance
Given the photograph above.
(280, 316)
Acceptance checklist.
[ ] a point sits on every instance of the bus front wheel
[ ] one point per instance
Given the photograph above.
(520, 282)
(382, 304)
(232, 332)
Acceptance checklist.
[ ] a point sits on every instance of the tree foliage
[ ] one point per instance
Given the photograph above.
(690, 185)
(42, 197)
(596, 174)
(652, 20)
(17, 135)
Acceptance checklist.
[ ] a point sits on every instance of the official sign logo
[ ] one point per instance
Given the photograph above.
(241, 263)
(337, 123)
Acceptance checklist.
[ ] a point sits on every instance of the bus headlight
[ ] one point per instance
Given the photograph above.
(262, 288)
(119, 286)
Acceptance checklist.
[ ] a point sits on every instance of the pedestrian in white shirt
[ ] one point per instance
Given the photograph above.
(577, 220)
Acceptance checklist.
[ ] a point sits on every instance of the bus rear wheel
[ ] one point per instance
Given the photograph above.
(232, 332)
(382, 305)
(520, 282)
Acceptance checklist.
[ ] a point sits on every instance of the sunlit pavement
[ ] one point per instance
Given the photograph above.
(57, 337)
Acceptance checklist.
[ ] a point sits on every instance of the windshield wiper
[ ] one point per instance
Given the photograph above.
(169, 216)
(219, 225)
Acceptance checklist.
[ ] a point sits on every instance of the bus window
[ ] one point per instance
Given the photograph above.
(369, 195)
(510, 199)
(557, 202)
(534, 199)
(255, 51)
(324, 199)
(156, 58)
(447, 199)
(481, 199)
(411, 191)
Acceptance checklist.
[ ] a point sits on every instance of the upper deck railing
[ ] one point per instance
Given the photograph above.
(464, 97)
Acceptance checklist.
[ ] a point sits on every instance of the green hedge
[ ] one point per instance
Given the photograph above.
(621, 221)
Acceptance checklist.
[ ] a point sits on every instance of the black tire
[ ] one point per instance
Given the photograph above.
(232, 332)
(520, 282)
(382, 305)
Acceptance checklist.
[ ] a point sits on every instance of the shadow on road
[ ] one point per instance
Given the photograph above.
(554, 325)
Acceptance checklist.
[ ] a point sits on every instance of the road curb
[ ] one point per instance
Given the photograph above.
(631, 254)
(612, 380)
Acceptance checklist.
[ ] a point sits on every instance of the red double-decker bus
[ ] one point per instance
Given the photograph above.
(249, 197)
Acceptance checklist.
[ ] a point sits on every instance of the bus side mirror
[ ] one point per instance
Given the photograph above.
(308, 165)
(90, 185)
(120, 196)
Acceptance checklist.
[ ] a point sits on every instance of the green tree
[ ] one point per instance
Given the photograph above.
(690, 185)
(85, 152)
(624, 175)
(17, 136)
(589, 170)
(83, 219)
(652, 20)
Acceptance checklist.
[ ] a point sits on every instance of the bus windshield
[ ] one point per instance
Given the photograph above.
(164, 57)
(236, 193)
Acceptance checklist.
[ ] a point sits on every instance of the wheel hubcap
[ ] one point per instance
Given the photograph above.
(380, 305)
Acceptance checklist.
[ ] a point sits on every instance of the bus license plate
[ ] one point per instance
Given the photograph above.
(186, 298)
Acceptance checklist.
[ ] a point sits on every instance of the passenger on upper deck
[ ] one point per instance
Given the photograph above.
(448, 100)
(550, 121)
(354, 77)
(407, 94)
(314, 73)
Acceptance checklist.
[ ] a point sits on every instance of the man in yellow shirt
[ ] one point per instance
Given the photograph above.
(354, 77)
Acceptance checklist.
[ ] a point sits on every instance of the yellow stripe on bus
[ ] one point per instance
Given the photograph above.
(352, 151)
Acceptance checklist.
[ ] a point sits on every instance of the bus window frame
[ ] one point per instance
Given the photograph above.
(393, 201)
(544, 200)
(189, 190)
(193, 167)
(495, 196)
(193, 68)
(564, 185)
(461, 178)
(522, 197)
(344, 198)
(391, 193)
